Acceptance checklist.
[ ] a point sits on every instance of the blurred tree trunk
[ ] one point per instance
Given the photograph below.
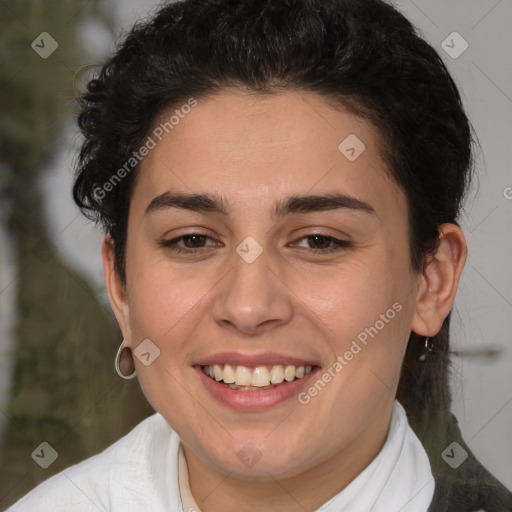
(64, 389)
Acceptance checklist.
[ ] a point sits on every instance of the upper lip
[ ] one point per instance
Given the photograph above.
(263, 359)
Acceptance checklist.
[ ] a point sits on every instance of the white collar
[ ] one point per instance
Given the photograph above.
(399, 479)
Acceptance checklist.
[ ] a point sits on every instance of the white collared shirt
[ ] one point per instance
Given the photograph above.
(399, 479)
(144, 471)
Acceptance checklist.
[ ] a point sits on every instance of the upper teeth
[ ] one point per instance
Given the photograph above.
(260, 376)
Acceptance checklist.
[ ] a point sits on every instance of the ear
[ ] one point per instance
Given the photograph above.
(115, 288)
(439, 281)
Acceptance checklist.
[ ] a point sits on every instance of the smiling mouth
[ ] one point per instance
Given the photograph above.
(255, 378)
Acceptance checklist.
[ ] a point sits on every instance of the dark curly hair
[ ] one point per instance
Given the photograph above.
(361, 54)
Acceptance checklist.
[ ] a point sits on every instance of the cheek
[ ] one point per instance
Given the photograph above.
(364, 309)
(163, 300)
(349, 297)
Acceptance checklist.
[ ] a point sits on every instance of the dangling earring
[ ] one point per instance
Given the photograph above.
(124, 358)
(429, 349)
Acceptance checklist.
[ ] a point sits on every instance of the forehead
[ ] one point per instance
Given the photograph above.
(254, 149)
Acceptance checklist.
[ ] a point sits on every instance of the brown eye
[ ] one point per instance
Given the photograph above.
(322, 244)
(195, 241)
(190, 243)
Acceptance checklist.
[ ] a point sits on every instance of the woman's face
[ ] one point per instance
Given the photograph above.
(264, 287)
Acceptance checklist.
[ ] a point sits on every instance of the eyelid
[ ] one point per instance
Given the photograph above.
(337, 243)
(328, 237)
(174, 241)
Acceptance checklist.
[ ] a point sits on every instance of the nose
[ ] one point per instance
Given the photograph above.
(253, 298)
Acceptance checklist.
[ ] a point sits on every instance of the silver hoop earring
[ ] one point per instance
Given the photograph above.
(117, 363)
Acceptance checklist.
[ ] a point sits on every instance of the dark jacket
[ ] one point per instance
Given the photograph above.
(467, 488)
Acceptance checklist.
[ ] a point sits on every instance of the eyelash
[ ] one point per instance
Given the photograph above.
(338, 244)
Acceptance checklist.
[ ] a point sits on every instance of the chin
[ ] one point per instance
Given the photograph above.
(259, 458)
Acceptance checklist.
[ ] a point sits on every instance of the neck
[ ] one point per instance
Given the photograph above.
(307, 491)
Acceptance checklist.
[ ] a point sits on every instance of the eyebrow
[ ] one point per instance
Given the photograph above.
(209, 203)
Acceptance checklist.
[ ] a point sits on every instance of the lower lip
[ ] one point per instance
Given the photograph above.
(253, 400)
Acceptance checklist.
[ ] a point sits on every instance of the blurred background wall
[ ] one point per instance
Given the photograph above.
(58, 336)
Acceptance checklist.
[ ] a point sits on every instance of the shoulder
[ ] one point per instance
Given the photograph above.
(127, 476)
(464, 487)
